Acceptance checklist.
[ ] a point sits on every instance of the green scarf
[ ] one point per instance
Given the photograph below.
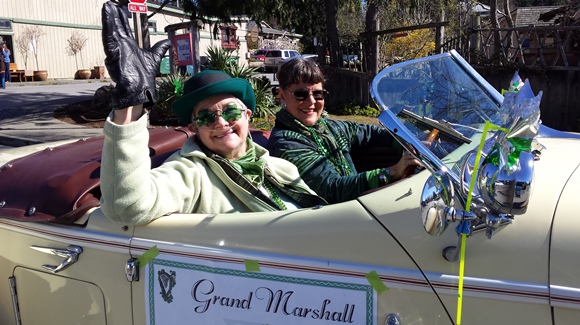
(326, 142)
(251, 167)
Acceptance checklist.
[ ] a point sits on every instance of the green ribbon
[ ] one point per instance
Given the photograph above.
(519, 145)
(178, 88)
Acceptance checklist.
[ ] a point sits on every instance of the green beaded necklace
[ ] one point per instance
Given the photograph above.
(339, 162)
(274, 195)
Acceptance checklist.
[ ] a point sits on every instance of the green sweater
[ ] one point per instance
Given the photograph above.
(331, 174)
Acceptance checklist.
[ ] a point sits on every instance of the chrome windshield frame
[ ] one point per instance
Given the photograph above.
(407, 139)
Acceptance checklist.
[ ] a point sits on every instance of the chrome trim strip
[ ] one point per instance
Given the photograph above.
(89, 238)
(409, 279)
(444, 284)
(566, 297)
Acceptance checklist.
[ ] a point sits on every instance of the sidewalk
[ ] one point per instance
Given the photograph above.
(26, 110)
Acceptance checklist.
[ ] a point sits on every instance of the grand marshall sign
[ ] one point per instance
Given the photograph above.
(226, 293)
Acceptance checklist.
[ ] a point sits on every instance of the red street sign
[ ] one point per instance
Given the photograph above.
(138, 1)
(133, 7)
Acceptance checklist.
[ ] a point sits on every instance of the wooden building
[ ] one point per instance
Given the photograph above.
(59, 19)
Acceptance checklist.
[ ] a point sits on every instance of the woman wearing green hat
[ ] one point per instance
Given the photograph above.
(220, 170)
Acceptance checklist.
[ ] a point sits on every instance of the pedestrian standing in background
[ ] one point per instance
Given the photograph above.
(6, 59)
(2, 73)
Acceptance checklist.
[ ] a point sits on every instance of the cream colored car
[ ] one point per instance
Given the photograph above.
(384, 258)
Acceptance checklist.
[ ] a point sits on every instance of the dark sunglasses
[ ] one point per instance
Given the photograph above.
(302, 95)
(207, 118)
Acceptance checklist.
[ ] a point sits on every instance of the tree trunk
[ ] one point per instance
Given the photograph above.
(371, 45)
(332, 32)
(440, 31)
(497, 46)
(145, 31)
(510, 23)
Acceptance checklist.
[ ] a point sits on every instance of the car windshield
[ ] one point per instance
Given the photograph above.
(437, 93)
(260, 52)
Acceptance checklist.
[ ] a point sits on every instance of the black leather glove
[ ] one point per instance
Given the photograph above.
(133, 69)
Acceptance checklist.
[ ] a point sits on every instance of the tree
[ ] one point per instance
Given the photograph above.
(497, 48)
(76, 44)
(23, 47)
(371, 45)
(311, 18)
(31, 36)
(332, 32)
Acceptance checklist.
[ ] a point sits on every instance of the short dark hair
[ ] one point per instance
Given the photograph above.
(299, 70)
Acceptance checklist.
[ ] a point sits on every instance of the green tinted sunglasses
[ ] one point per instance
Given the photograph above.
(207, 118)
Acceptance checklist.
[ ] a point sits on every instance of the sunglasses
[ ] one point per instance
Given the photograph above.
(302, 95)
(207, 118)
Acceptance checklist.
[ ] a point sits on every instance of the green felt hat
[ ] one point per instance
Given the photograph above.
(210, 83)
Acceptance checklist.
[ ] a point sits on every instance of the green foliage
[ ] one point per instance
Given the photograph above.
(169, 88)
(352, 108)
(264, 97)
(414, 44)
(218, 58)
(241, 71)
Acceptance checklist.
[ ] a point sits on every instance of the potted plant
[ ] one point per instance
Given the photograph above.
(23, 48)
(76, 44)
(98, 70)
(33, 35)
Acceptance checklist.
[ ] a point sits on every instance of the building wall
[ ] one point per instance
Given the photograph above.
(60, 18)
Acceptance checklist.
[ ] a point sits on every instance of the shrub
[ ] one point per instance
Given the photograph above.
(171, 86)
(168, 90)
(352, 108)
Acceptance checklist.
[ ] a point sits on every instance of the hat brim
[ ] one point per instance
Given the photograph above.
(240, 88)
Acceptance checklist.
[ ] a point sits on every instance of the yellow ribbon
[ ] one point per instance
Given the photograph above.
(488, 126)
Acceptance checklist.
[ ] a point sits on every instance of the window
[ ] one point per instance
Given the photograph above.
(152, 26)
(229, 39)
(5, 24)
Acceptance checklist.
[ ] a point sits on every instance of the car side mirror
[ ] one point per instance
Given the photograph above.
(437, 203)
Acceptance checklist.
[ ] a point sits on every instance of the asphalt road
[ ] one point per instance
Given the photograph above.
(26, 110)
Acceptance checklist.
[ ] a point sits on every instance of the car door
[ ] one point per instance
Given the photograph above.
(64, 274)
(564, 255)
(326, 265)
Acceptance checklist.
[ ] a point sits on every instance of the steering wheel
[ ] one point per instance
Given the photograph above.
(432, 137)
(412, 170)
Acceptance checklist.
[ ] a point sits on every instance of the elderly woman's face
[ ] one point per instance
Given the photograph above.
(304, 101)
(221, 123)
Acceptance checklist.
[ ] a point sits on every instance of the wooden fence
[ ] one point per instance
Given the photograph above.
(548, 56)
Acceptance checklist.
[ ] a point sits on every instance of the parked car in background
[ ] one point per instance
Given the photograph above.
(259, 55)
(350, 58)
(274, 58)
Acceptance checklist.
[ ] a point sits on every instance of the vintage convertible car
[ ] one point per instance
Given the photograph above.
(383, 258)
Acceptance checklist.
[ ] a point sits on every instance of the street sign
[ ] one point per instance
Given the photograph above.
(137, 6)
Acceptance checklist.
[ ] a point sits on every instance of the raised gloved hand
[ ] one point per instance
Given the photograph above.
(133, 69)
